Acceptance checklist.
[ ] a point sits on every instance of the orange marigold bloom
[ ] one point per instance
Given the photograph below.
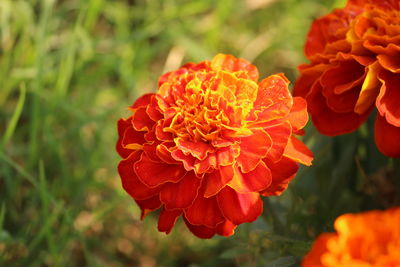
(209, 143)
(355, 66)
(369, 239)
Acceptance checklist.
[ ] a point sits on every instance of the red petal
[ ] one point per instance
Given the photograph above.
(256, 180)
(226, 228)
(130, 181)
(298, 151)
(167, 220)
(280, 135)
(148, 205)
(203, 166)
(298, 116)
(329, 122)
(217, 180)
(198, 150)
(154, 174)
(204, 211)
(252, 149)
(227, 155)
(182, 194)
(200, 230)
(187, 160)
(239, 208)
(389, 98)
(141, 120)
(283, 172)
(387, 137)
(142, 101)
(133, 139)
(164, 153)
(122, 126)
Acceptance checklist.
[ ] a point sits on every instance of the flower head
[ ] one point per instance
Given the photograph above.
(354, 55)
(369, 239)
(209, 143)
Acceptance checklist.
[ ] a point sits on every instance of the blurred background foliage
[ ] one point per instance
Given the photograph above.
(69, 69)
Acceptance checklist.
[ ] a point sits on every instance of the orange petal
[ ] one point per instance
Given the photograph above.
(154, 174)
(148, 205)
(130, 181)
(239, 208)
(164, 153)
(391, 61)
(319, 248)
(204, 211)
(369, 90)
(217, 180)
(298, 116)
(198, 150)
(389, 98)
(252, 149)
(167, 220)
(230, 63)
(182, 194)
(387, 137)
(187, 160)
(298, 151)
(280, 136)
(254, 181)
(283, 172)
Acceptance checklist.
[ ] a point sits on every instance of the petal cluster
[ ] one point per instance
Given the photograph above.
(354, 67)
(369, 239)
(209, 143)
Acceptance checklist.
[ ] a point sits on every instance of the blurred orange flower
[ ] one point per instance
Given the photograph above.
(355, 66)
(209, 142)
(369, 239)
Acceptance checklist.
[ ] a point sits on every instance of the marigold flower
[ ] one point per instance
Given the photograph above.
(369, 239)
(354, 55)
(209, 143)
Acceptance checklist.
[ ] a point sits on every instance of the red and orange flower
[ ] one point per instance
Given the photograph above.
(369, 239)
(209, 143)
(355, 66)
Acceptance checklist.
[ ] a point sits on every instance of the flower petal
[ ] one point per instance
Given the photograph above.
(217, 180)
(142, 101)
(122, 126)
(387, 137)
(167, 220)
(298, 116)
(239, 208)
(389, 98)
(280, 135)
(198, 150)
(154, 174)
(130, 181)
(148, 205)
(252, 149)
(204, 211)
(200, 230)
(230, 63)
(283, 172)
(298, 151)
(254, 181)
(182, 194)
(141, 120)
(227, 228)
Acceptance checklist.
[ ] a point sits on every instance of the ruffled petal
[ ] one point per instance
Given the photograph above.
(167, 220)
(387, 137)
(227, 228)
(182, 194)
(254, 181)
(122, 126)
(141, 120)
(142, 101)
(230, 63)
(154, 174)
(198, 150)
(283, 172)
(130, 181)
(252, 149)
(239, 208)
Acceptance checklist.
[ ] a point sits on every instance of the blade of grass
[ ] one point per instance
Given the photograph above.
(16, 115)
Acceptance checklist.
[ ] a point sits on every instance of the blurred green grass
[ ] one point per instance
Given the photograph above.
(69, 69)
